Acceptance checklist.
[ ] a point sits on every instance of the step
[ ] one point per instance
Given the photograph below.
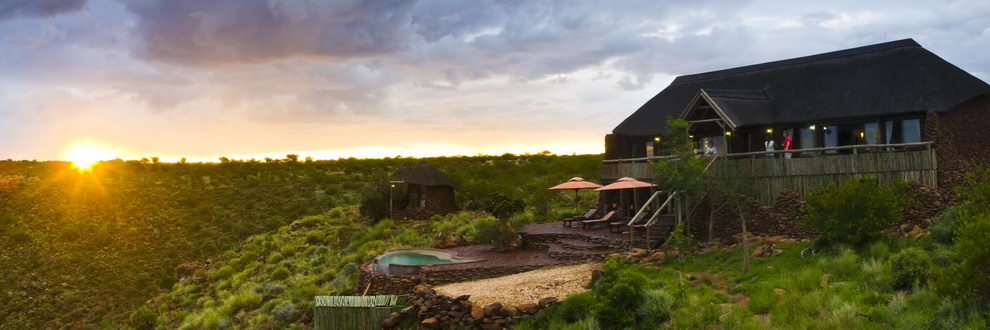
(581, 244)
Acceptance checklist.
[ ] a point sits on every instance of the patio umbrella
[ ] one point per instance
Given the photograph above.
(576, 183)
(626, 183)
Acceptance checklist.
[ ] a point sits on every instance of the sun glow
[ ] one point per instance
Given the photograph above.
(85, 154)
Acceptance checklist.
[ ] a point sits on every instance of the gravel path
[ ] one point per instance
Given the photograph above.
(525, 287)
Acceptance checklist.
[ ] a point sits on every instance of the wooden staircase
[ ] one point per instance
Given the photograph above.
(649, 236)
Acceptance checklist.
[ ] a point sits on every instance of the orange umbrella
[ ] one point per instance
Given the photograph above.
(626, 183)
(576, 183)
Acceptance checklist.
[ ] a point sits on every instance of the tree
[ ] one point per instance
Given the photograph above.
(292, 158)
(683, 172)
(734, 193)
(503, 208)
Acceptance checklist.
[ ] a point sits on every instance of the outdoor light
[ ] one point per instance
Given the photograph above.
(656, 139)
(862, 135)
(812, 127)
(769, 131)
(690, 136)
(393, 185)
(728, 133)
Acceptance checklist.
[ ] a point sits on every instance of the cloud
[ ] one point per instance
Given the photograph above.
(10, 9)
(221, 32)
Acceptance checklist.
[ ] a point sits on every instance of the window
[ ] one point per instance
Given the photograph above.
(649, 149)
(831, 136)
(871, 133)
(911, 131)
(807, 138)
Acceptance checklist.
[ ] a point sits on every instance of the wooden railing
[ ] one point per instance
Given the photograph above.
(808, 169)
(769, 177)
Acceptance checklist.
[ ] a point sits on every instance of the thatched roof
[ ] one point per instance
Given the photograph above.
(893, 78)
(423, 174)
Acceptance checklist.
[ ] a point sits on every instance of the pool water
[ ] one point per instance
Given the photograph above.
(414, 258)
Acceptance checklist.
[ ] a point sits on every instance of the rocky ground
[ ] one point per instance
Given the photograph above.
(525, 287)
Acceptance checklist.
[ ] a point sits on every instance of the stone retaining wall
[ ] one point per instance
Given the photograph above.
(785, 217)
(384, 284)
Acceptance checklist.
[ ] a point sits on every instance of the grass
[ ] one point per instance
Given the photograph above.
(836, 288)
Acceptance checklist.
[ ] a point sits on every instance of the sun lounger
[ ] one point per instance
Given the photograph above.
(616, 226)
(605, 219)
(585, 216)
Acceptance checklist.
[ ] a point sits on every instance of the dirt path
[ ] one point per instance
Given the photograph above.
(525, 287)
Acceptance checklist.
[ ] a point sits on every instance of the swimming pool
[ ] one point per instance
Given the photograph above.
(407, 261)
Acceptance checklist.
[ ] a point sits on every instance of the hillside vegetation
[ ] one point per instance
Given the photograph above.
(87, 249)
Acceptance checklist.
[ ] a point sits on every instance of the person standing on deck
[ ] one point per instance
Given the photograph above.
(769, 145)
(787, 144)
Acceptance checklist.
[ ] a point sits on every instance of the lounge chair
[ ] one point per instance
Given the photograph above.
(608, 217)
(616, 226)
(585, 216)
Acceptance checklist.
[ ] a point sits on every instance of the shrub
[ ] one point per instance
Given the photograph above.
(221, 273)
(280, 273)
(656, 306)
(619, 291)
(854, 211)
(143, 319)
(488, 230)
(969, 277)
(577, 306)
(286, 312)
(945, 224)
(909, 266)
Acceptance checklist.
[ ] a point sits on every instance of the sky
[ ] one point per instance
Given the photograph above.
(328, 79)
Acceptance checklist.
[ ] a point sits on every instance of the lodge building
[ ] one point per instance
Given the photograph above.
(893, 110)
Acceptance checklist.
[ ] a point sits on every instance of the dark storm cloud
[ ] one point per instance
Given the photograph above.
(231, 31)
(38, 8)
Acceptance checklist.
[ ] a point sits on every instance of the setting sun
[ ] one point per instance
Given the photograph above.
(85, 154)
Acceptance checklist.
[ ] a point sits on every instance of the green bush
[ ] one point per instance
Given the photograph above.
(488, 230)
(945, 224)
(656, 307)
(285, 311)
(143, 319)
(910, 266)
(620, 292)
(969, 276)
(280, 273)
(855, 211)
(577, 306)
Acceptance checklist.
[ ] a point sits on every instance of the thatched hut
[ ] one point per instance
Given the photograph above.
(420, 191)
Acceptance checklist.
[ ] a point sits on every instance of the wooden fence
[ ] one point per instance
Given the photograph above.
(914, 162)
(352, 312)
(772, 176)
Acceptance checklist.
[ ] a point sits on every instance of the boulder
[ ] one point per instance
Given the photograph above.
(392, 320)
(529, 308)
(477, 312)
(493, 309)
(430, 323)
(546, 301)
(510, 311)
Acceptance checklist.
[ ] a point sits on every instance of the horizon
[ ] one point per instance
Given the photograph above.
(330, 80)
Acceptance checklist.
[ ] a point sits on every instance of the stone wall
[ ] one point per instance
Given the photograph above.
(785, 217)
(430, 310)
(438, 277)
(384, 284)
(961, 140)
